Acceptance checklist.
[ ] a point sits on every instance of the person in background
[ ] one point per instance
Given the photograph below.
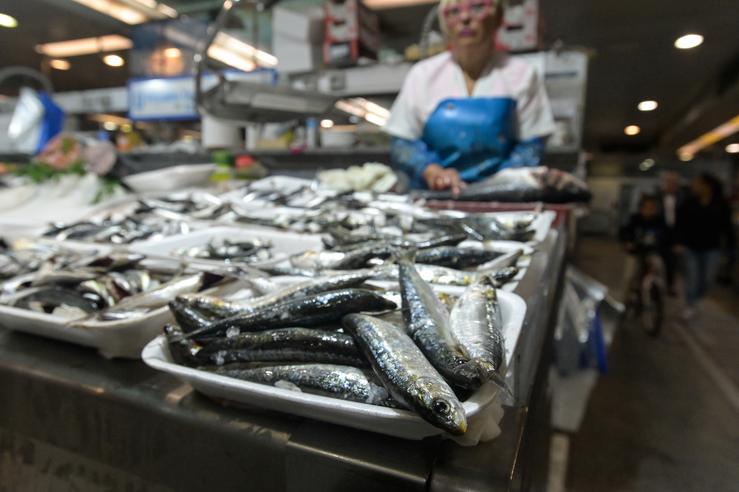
(703, 227)
(671, 198)
(471, 111)
(644, 238)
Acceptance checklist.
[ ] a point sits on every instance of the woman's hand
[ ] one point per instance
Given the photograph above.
(438, 178)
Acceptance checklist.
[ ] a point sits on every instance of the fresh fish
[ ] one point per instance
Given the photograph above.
(313, 310)
(406, 373)
(504, 275)
(98, 290)
(46, 299)
(115, 261)
(224, 309)
(427, 323)
(349, 260)
(335, 381)
(453, 257)
(283, 345)
(47, 276)
(155, 298)
(189, 318)
(477, 324)
(431, 274)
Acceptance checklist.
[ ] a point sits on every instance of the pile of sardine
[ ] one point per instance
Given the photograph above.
(439, 260)
(230, 251)
(334, 336)
(102, 288)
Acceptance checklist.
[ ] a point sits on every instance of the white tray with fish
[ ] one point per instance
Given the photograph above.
(540, 222)
(283, 244)
(116, 338)
(482, 409)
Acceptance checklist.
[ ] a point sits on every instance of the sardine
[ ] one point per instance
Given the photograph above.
(283, 345)
(427, 323)
(335, 260)
(406, 373)
(189, 318)
(453, 257)
(335, 381)
(313, 310)
(46, 299)
(225, 309)
(503, 276)
(477, 324)
(504, 261)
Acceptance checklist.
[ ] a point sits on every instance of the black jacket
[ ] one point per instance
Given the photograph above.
(704, 227)
(648, 235)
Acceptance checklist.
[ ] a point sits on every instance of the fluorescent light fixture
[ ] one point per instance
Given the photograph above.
(114, 60)
(131, 11)
(327, 123)
(59, 64)
(648, 105)
(632, 130)
(228, 43)
(362, 108)
(689, 41)
(716, 135)
(230, 58)
(8, 21)
(84, 46)
(172, 53)
(732, 148)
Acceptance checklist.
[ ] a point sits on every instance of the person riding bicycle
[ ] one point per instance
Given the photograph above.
(644, 238)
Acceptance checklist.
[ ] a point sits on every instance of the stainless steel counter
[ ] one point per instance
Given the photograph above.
(70, 420)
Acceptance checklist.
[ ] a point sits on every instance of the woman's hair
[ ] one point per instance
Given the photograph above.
(499, 6)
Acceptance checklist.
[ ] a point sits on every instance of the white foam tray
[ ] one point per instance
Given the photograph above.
(284, 243)
(482, 409)
(170, 178)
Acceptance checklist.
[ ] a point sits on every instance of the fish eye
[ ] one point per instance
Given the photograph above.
(440, 407)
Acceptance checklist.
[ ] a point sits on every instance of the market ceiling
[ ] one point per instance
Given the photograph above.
(631, 41)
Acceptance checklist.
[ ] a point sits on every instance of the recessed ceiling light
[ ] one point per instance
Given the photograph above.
(8, 21)
(648, 105)
(689, 41)
(632, 130)
(327, 123)
(110, 126)
(58, 64)
(172, 53)
(114, 60)
(685, 157)
(732, 148)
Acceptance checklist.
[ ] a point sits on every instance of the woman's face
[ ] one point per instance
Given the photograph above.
(471, 22)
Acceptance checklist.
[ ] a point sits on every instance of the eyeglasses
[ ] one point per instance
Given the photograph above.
(474, 8)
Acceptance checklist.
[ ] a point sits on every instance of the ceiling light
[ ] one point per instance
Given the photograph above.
(732, 148)
(229, 43)
(327, 123)
(688, 41)
(114, 60)
(648, 105)
(58, 64)
(131, 11)
(685, 157)
(110, 126)
(84, 46)
(716, 135)
(172, 53)
(8, 21)
(104, 117)
(632, 130)
(647, 164)
(362, 108)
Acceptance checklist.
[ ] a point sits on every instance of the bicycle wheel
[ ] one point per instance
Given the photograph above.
(652, 310)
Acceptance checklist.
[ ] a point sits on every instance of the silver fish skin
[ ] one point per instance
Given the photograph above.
(506, 260)
(283, 345)
(477, 324)
(431, 273)
(427, 323)
(454, 257)
(308, 311)
(224, 309)
(406, 373)
(504, 275)
(336, 381)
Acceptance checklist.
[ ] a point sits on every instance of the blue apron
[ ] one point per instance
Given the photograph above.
(472, 135)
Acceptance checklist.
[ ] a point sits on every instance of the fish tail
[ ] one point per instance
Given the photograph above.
(488, 372)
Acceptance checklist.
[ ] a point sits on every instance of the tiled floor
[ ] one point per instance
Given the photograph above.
(662, 419)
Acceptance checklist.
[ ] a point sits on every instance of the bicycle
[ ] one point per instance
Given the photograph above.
(645, 300)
